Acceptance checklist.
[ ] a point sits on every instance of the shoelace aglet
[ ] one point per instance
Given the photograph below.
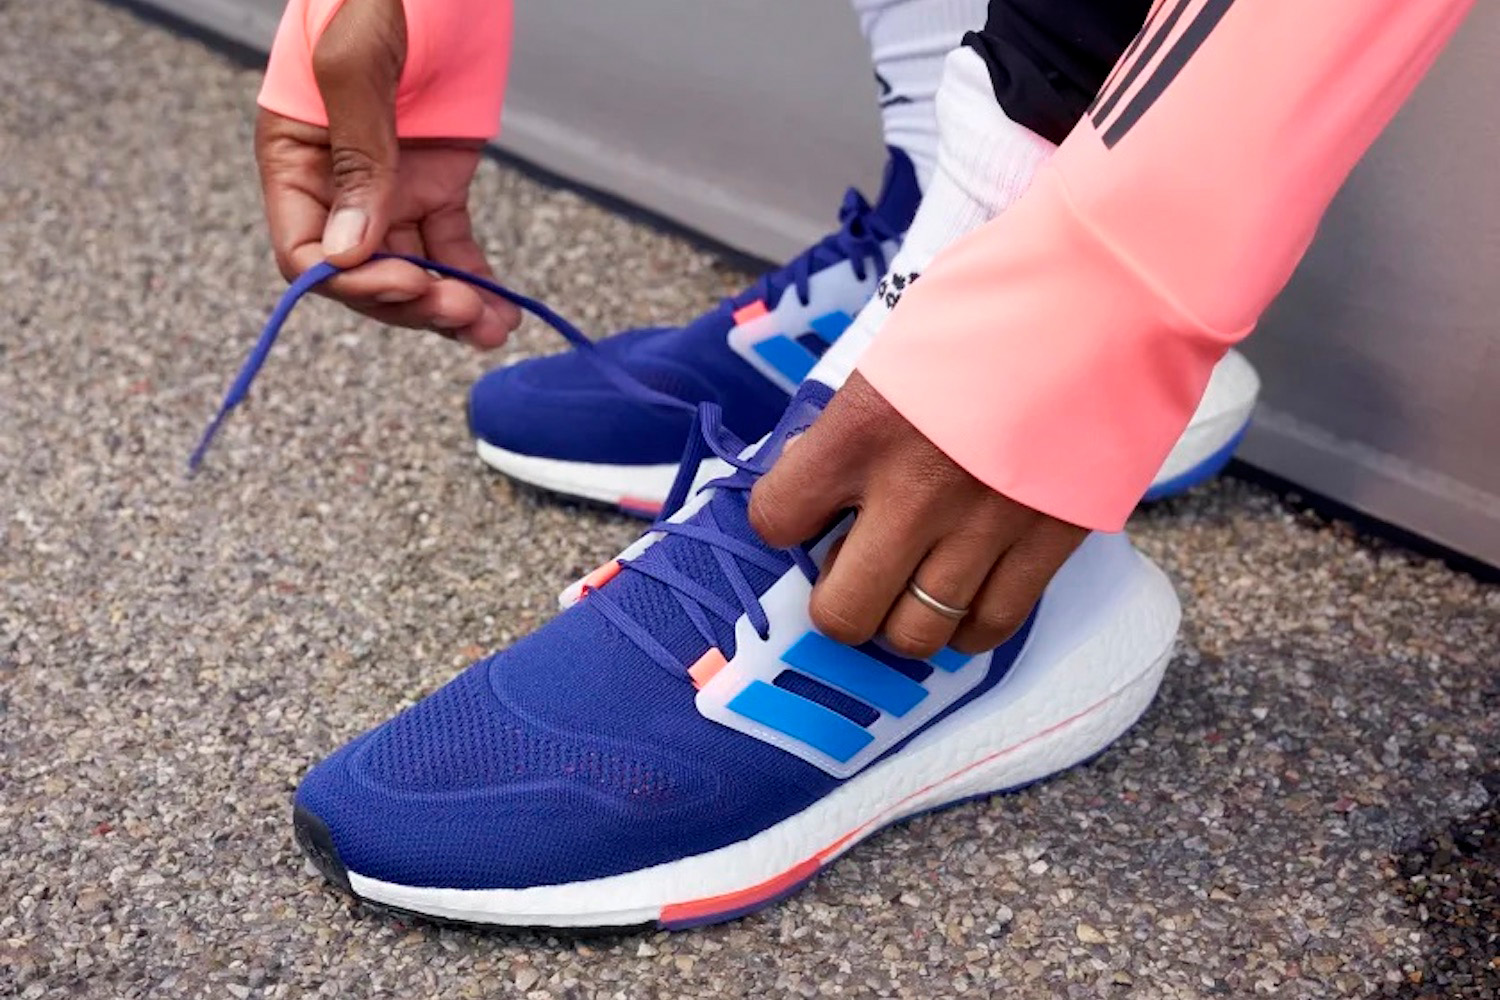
(241, 385)
(196, 458)
(233, 398)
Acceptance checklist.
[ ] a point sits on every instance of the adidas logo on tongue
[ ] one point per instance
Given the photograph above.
(804, 408)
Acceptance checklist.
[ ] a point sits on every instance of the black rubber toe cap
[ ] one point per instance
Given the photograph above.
(317, 843)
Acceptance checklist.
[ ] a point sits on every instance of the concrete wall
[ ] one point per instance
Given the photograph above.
(1382, 358)
(745, 119)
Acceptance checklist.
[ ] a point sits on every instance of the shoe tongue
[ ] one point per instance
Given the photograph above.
(657, 607)
(654, 604)
(800, 413)
(900, 192)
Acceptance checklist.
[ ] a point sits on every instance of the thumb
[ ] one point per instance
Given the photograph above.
(357, 63)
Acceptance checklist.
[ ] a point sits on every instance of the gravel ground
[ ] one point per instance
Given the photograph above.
(1303, 813)
(1453, 881)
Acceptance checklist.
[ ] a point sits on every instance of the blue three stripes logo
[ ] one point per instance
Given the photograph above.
(864, 682)
(1115, 122)
(794, 358)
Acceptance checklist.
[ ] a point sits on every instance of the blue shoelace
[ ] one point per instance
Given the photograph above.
(696, 600)
(858, 239)
(708, 436)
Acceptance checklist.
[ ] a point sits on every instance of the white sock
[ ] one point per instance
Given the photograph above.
(985, 162)
(908, 42)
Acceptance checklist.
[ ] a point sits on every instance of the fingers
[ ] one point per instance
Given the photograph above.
(821, 471)
(981, 556)
(293, 169)
(952, 573)
(399, 293)
(814, 479)
(804, 491)
(340, 194)
(1015, 586)
(449, 237)
(405, 238)
(357, 63)
(858, 587)
(375, 283)
(449, 306)
(446, 307)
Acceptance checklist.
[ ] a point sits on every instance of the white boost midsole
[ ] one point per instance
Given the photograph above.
(611, 484)
(1096, 655)
(1222, 413)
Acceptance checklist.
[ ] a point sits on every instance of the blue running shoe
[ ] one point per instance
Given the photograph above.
(556, 423)
(681, 746)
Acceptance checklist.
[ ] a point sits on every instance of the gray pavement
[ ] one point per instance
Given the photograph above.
(174, 653)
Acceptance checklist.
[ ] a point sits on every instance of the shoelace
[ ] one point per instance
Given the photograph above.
(859, 238)
(708, 436)
(319, 273)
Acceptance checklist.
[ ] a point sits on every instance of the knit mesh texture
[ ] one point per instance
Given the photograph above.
(458, 742)
(650, 603)
(573, 754)
(614, 770)
(562, 407)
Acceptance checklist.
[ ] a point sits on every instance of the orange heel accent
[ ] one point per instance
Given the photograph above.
(709, 664)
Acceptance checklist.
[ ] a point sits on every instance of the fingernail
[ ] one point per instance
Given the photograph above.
(344, 230)
(447, 323)
(394, 298)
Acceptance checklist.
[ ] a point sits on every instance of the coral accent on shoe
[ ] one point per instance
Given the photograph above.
(599, 577)
(709, 664)
(745, 314)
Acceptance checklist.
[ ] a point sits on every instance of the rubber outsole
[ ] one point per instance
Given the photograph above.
(317, 843)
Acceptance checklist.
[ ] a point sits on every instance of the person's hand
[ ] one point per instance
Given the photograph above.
(351, 189)
(919, 517)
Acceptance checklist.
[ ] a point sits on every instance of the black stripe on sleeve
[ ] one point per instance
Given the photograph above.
(1171, 64)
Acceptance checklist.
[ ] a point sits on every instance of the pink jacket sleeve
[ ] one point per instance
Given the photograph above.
(1058, 351)
(453, 83)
